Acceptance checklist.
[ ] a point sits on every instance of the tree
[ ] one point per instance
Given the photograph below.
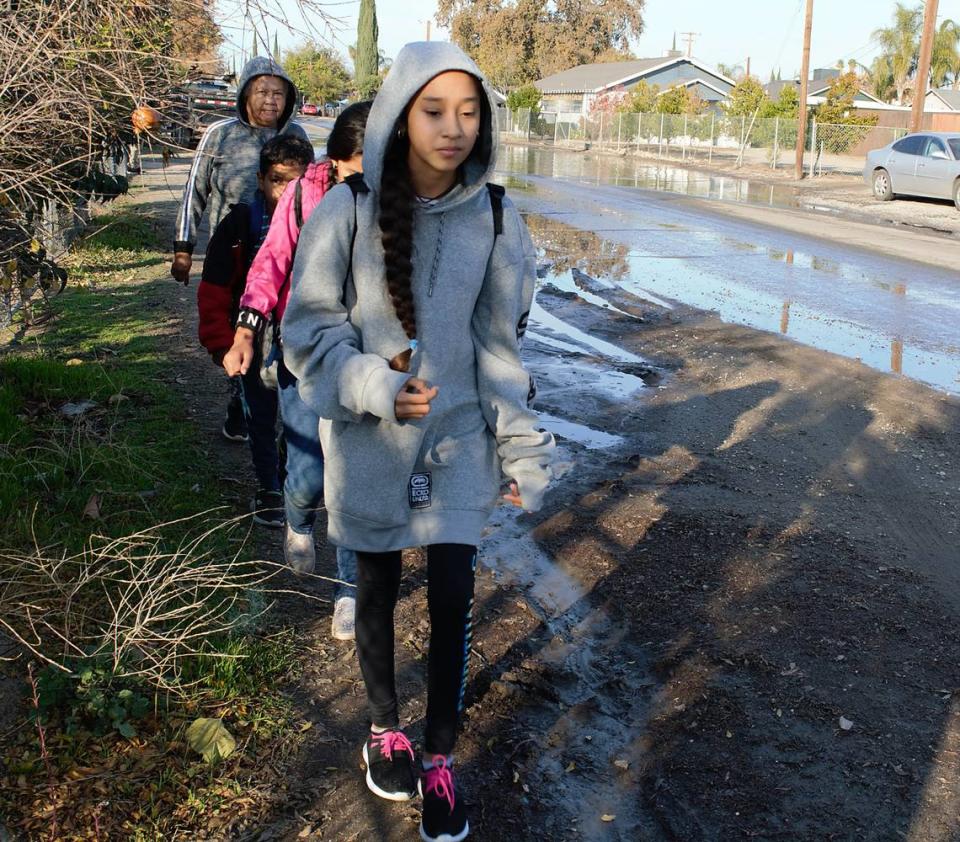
(680, 100)
(318, 72)
(747, 98)
(366, 68)
(787, 104)
(642, 99)
(945, 60)
(518, 41)
(732, 71)
(527, 96)
(276, 49)
(900, 47)
(838, 110)
(253, 49)
(198, 36)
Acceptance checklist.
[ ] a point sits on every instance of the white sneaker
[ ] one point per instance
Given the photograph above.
(344, 616)
(299, 552)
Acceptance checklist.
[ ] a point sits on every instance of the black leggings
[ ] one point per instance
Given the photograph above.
(450, 573)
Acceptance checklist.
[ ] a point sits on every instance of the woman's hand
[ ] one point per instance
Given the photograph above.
(182, 261)
(413, 400)
(513, 496)
(239, 358)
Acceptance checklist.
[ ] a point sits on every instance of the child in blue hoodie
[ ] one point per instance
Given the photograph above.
(410, 297)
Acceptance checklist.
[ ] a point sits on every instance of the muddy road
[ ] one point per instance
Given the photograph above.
(737, 616)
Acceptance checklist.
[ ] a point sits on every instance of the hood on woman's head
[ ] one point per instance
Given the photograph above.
(414, 67)
(265, 66)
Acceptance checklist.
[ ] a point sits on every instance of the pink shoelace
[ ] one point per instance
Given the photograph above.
(439, 780)
(391, 741)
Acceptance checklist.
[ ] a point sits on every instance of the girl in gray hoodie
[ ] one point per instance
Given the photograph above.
(410, 298)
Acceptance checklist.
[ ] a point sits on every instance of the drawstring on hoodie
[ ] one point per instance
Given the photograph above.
(435, 268)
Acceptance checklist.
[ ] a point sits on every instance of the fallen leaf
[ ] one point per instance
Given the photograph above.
(608, 817)
(117, 398)
(210, 738)
(571, 767)
(74, 361)
(92, 509)
(845, 724)
(622, 764)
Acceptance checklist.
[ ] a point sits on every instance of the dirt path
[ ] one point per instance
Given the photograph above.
(738, 622)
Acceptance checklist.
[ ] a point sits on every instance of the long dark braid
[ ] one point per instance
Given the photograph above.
(396, 228)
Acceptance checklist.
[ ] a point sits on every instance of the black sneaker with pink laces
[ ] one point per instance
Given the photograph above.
(444, 817)
(389, 759)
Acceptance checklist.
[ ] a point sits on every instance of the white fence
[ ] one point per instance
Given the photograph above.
(713, 137)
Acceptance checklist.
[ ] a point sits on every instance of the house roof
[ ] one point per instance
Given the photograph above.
(593, 78)
(689, 83)
(948, 96)
(815, 88)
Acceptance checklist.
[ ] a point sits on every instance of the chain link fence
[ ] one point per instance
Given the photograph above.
(714, 138)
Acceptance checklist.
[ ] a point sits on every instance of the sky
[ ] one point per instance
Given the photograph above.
(770, 32)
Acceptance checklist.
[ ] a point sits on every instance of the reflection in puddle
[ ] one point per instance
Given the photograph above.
(852, 307)
(630, 172)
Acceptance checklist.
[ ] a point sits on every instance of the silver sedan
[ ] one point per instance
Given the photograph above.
(924, 164)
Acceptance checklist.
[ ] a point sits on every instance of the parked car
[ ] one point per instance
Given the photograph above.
(309, 110)
(924, 164)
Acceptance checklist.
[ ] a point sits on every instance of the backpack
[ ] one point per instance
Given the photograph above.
(271, 333)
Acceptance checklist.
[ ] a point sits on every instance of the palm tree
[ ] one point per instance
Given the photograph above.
(732, 71)
(945, 60)
(878, 78)
(900, 46)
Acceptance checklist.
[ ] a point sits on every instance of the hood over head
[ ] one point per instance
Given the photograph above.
(265, 66)
(414, 67)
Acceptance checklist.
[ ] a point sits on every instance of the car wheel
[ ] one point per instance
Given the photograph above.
(882, 187)
(956, 193)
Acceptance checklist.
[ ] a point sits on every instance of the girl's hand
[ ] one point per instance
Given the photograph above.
(513, 496)
(413, 400)
(238, 359)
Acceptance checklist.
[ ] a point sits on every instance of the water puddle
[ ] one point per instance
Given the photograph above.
(554, 325)
(580, 433)
(891, 315)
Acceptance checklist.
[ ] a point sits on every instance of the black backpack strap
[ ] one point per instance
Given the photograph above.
(497, 192)
(298, 202)
(357, 185)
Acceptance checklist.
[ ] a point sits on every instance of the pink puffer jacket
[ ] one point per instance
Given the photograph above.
(271, 267)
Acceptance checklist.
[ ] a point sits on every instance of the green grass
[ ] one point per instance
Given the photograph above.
(136, 448)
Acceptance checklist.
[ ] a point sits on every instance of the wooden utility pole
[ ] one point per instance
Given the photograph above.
(923, 67)
(804, 83)
(689, 37)
(429, 21)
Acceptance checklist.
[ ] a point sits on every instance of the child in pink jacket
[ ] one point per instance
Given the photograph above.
(266, 293)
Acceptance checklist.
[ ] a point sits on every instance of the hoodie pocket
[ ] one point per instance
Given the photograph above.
(464, 465)
(367, 468)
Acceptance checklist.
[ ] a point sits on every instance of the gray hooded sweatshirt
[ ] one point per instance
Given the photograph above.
(389, 484)
(224, 170)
